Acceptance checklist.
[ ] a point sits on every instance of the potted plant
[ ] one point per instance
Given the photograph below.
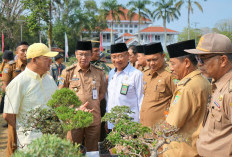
(130, 138)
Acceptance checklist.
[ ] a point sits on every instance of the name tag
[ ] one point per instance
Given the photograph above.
(94, 92)
(124, 89)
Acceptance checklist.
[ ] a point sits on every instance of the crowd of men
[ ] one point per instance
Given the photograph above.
(178, 93)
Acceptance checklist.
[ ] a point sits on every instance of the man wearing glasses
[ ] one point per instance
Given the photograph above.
(214, 55)
(125, 84)
(88, 82)
(189, 100)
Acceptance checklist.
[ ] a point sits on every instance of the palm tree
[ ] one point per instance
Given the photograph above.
(112, 9)
(190, 4)
(167, 11)
(140, 7)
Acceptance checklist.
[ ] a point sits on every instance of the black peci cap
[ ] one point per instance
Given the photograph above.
(84, 45)
(177, 49)
(153, 48)
(140, 48)
(59, 56)
(118, 48)
(8, 55)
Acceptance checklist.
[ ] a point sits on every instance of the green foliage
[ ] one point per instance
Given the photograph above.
(71, 60)
(50, 145)
(224, 27)
(65, 103)
(63, 115)
(117, 114)
(194, 34)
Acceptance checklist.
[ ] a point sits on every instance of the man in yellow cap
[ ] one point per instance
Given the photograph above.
(30, 89)
(214, 55)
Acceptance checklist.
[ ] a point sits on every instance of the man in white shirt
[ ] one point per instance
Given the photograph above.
(125, 84)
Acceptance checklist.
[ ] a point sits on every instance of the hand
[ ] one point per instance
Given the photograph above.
(83, 107)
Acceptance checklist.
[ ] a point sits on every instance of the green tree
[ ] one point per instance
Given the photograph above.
(112, 9)
(167, 11)
(40, 13)
(140, 7)
(224, 27)
(194, 34)
(190, 4)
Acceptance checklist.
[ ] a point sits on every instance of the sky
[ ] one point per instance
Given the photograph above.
(213, 12)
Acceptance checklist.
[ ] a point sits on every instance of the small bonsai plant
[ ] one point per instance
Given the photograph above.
(61, 115)
(132, 139)
(50, 145)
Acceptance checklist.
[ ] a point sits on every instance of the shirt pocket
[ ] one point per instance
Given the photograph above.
(75, 86)
(215, 125)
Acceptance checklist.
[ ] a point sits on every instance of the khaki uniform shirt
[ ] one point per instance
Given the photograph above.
(82, 83)
(12, 69)
(158, 90)
(188, 107)
(215, 138)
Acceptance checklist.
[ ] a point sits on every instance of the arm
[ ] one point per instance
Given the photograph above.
(6, 76)
(10, 118)
(103, 86)
(139, 89)
(181, 108)
(63, 81)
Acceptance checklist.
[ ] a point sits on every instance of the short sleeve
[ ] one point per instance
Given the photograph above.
(13, 97)
(181, 108)
(227, 104)
(63, 80)
(7, 73)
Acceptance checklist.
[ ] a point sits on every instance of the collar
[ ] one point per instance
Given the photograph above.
(223, 80)
(34, 75)
(188, 77)
(19, 63)
(79, 68)
(158, 72)
(125, 70)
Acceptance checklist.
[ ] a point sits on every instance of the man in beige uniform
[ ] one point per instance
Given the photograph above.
(11, 70)
(215, 61)
(158, 86)
(190, 98)
(89, 84)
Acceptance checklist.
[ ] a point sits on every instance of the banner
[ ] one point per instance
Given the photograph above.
(66, 46)
(101, 47)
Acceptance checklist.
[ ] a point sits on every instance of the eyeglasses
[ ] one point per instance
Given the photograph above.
(202, 60)
(84, 54)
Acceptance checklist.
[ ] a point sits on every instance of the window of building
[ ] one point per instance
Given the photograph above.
(131, 31)
(126, 25)
(116, 25)
(121, 25)
(157, 37)
(126, 31)
(131, 26)
(136, 26)
(121, 31)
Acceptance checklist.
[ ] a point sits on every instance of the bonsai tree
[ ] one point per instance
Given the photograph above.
(61, 115)
(132, 139)
(50, 145)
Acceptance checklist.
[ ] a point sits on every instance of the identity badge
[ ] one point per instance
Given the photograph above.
(124, 89)
(94, 92)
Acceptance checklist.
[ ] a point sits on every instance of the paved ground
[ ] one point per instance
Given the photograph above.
(3, 137)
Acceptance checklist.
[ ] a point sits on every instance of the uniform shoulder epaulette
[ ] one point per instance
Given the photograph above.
(184, 82)
(230, 85)
(95, 66)
(11, 62)
(71, 67)
(146, 69)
